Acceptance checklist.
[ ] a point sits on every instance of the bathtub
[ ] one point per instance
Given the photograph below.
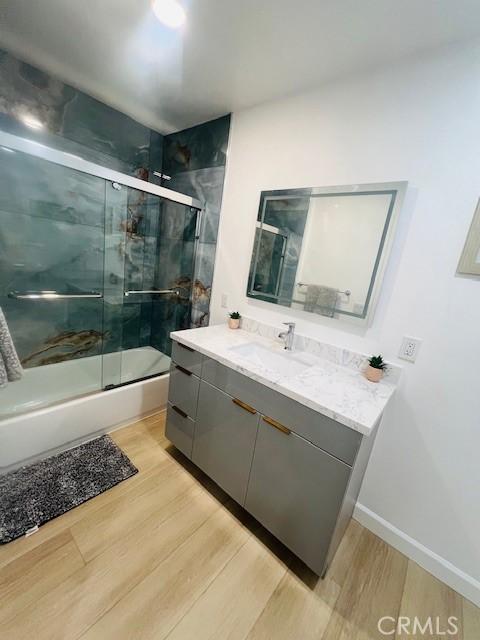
(32, 430)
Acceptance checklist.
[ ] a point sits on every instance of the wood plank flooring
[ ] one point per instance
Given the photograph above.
(166, 554)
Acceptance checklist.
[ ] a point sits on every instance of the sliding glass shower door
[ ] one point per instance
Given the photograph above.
(51, 277)
(149, 261)
(94, 274)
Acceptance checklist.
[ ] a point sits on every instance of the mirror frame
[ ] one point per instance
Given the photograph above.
(396, 189)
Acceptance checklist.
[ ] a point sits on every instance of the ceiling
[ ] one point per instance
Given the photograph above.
(230, 54)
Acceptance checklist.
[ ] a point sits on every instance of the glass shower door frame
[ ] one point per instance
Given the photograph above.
(79, 164)
(111, 177)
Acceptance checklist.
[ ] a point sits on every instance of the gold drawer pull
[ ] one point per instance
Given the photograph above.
(244, 405)
(277, 425)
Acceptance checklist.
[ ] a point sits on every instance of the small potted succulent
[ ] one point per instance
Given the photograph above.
(376, 368)
(234, 320)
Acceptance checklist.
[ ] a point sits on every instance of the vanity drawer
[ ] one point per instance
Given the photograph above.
(183, 390)
(179, 429)
(187, 358)
(331, 436)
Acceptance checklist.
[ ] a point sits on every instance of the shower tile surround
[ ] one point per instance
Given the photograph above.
(195, 161)
(333, 384)
(77, 123)
(72, 121)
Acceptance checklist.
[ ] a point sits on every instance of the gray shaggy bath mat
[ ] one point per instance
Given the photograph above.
(37, 493)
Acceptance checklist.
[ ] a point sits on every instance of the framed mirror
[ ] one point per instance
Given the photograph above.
(324, 250)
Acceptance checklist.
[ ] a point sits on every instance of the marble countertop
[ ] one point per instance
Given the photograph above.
(337, 391)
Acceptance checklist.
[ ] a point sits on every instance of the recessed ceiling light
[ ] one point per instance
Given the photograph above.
(31, 121)
(169, 12)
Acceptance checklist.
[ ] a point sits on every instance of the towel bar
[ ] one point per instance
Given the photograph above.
(347, 292)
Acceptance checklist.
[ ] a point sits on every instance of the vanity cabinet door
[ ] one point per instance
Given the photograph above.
(296, 491)
(224, 439)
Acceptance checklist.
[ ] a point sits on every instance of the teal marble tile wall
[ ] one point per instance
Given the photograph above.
(72, 120)
(195, 160)
(201, 147)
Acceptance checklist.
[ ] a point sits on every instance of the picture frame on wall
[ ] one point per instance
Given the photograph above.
(470, 259)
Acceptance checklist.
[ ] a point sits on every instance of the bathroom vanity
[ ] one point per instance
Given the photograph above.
(267, 426)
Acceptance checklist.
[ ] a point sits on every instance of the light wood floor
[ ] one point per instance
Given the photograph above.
(166, 554)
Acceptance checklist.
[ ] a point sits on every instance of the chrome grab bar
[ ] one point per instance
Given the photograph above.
(55, 295)
(52, 295)
(135, 292)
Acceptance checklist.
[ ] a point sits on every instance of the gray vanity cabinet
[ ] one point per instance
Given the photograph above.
(295, 490)
(297, 471)
(225, 434)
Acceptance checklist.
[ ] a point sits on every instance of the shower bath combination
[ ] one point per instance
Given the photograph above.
(96, 269)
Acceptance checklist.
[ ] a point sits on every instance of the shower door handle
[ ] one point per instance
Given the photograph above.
(158, 292)
(52, 295)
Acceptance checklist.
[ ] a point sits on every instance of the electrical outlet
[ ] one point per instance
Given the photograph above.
(409, 348)
(224, 301)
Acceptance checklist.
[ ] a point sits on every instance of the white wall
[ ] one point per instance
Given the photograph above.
(418, 122)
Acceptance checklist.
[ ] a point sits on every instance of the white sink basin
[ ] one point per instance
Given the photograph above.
(285, 363)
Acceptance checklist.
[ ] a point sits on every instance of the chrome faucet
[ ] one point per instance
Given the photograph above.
(289, 335)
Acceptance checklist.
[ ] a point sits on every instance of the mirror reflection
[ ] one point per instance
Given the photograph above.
(322, 250)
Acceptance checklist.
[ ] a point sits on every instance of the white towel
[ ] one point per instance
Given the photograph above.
(320, 299)
(10, 366)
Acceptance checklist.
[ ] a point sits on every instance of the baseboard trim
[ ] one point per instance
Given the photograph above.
(442, 569)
